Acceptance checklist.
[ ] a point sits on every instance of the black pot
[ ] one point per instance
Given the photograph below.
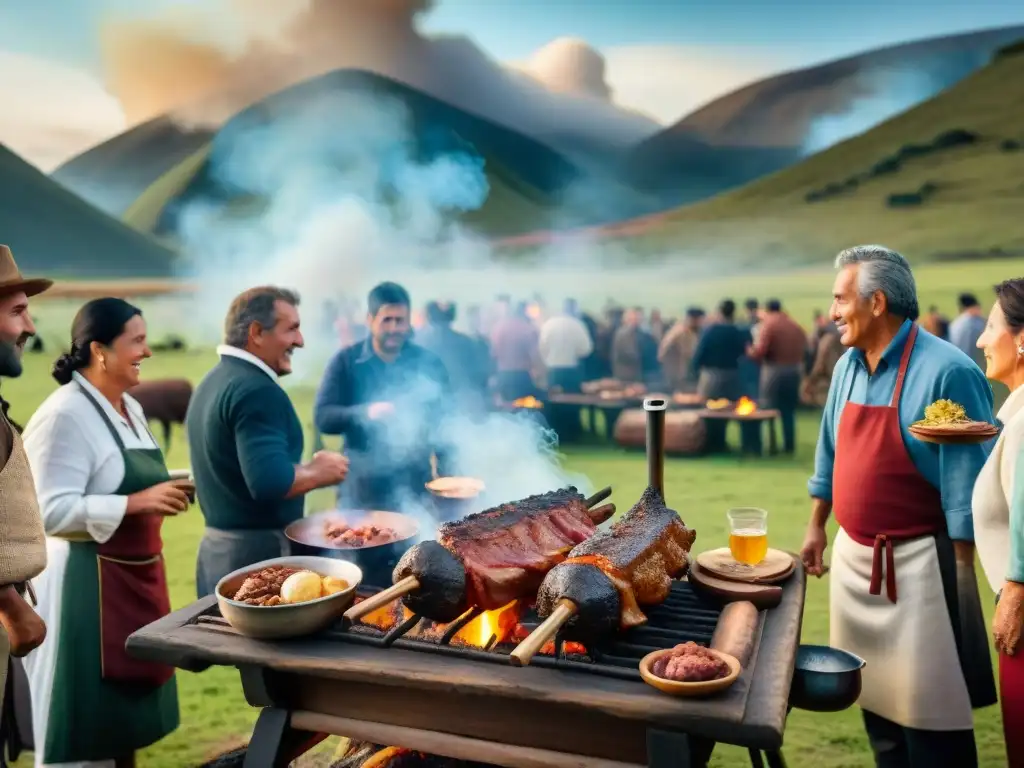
(825, 679)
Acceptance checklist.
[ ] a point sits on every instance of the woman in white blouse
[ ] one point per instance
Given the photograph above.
(998, 507)
(103, 491)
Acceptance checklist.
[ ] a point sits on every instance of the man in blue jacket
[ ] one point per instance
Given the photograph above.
(387, 397)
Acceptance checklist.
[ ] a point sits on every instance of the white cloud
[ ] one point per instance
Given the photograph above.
(52, 112)
(668, 82)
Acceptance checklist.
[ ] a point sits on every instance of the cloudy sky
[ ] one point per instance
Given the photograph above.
(74, 72)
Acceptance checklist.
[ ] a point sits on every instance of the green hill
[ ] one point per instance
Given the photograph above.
(53, 231)
(942, 180)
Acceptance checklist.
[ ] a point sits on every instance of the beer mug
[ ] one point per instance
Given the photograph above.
(748, 535)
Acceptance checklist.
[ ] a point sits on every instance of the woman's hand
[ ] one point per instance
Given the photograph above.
(1009, 618)
(168, 498)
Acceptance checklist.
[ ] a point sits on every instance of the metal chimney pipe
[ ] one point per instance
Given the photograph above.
(656, 407)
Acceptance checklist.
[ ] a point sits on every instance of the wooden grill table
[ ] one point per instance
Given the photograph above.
(750, 425)
(492, 712)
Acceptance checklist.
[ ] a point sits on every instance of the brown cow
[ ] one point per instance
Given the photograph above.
(164, 400)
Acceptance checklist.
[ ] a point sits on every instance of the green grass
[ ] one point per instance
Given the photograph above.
(215, 716)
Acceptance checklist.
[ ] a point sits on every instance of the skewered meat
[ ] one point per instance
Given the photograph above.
(608, 577)
(496, 556)
(690, 663)
(264, 587)
(359, 536)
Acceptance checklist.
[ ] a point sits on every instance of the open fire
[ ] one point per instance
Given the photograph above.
(485, 631)
(528, 402)
(745, 406)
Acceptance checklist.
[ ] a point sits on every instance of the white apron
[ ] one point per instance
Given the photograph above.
(913, 675)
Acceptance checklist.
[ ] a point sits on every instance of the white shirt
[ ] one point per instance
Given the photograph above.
(993, 493)
(564, 341)
(226, 350)
(77, 464)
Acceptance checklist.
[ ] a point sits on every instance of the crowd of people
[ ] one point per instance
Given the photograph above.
(85, 488)
(511, 350)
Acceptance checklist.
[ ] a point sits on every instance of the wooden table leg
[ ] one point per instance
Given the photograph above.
(275, 744)
(775, 759)
(669, 749)
(755, 758)
(773, 442)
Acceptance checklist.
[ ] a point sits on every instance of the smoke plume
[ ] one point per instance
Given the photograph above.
(205, 66)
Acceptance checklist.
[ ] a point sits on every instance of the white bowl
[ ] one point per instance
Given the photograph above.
(276, 622)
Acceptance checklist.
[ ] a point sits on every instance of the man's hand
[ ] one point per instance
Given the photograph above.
(331, 467)
(812, 554)
(1006, 624)
(25, 629)
(377, 411)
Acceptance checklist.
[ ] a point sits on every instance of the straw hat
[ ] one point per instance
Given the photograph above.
(11, 280)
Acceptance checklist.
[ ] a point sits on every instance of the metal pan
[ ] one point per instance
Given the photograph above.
(455, 497)
(376, 560)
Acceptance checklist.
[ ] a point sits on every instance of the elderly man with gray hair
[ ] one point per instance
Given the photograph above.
(903, 594)
(246, 441)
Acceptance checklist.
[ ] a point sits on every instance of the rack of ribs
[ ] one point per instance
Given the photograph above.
(602, 584)
(488, 559)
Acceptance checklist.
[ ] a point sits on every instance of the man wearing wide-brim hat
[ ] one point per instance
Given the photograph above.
(22, 539)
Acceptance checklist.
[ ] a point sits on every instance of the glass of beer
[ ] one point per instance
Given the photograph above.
(748, 535)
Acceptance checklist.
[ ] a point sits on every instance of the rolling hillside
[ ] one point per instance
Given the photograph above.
(114, 174)
(943, 180)
(770, 124)
(530, 185)
(52, 231)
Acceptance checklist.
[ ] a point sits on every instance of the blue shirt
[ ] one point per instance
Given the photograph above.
(964, 333)
(937, 370)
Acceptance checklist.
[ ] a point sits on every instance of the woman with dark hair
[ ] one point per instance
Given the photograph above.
(103, 491)
(998, 506)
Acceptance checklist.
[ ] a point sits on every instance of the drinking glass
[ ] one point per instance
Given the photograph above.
(748, 535)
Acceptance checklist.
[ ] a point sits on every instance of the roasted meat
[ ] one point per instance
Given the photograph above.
(359, 536)
(690, 663)
(609, 576)
(263, 587)
(496, 556)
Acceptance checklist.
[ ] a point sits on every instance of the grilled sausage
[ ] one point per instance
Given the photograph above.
(736, 631)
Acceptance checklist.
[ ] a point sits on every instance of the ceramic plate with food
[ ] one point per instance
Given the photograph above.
(946, 422)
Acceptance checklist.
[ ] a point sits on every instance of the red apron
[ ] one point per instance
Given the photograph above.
(1011, 695)
(878, 495)
(133, 583)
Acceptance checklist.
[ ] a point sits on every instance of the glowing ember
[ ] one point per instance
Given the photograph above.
(499, 624)
(528, 402)
(745, 406)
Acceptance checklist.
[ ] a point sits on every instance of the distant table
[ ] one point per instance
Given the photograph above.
(756, 418)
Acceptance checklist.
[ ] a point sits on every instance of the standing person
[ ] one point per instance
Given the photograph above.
(935, 323)
(828, 350)
(387, 397)
(749, 368)
(246, 440)
(634, 351)
(563, 345)
(967, 327)
(780, 347)
(514, 343)
(998, 504)
(675, 353)
(22, 540)
(467, 365)
(716, 366)
(917, 620)
(104, 492)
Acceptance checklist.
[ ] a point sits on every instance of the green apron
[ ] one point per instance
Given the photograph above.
(105, 705)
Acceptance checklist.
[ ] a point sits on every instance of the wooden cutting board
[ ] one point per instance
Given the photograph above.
(764, 596)
(776, 567)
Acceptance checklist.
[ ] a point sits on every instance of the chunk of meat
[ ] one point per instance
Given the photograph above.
(263, 587)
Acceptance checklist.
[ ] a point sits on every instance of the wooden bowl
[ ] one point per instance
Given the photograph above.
(952, 436)
(693, 690)
(276, 622)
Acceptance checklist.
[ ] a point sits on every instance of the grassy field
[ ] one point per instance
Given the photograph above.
(215, 716)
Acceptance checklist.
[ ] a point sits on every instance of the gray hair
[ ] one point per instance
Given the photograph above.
(883, 269)
(255, 305)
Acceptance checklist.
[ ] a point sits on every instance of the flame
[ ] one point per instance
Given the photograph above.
(745, 406)
(528, 402)
(499, 623)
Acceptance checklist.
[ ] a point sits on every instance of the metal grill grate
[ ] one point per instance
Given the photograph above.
(683, 617)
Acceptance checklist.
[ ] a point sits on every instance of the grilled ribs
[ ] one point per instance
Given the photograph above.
(507, 550)
(639, 555)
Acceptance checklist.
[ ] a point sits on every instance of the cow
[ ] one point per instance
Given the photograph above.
(165, 401)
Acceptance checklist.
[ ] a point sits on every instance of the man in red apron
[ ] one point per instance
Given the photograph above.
(903, 594)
